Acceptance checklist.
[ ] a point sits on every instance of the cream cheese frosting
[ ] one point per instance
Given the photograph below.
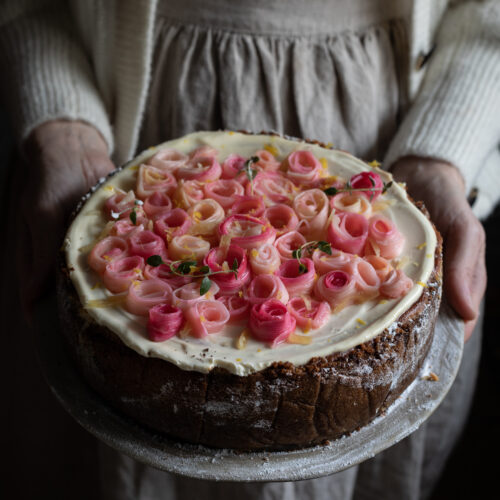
(349, 327)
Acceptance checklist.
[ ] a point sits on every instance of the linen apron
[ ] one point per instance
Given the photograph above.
(317, 69)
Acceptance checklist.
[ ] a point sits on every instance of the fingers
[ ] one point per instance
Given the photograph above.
(464, 267)
(441, 187)
(65, 160)
(477, 289)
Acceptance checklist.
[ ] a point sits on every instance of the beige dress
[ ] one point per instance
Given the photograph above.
(320, 69)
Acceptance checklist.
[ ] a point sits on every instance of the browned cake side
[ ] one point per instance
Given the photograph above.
(281, 407)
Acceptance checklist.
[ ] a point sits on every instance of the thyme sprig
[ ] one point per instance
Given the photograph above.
(249, 171)
(133, 213)
(332, 190)
(189, 267)
(309, 247)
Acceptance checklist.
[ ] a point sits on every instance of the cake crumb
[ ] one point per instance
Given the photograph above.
(242, 340)
(431, 377)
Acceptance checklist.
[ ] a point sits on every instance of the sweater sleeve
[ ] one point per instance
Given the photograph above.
(49, 74)
(455, 117)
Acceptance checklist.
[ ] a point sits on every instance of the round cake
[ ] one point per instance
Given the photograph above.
(249, 291)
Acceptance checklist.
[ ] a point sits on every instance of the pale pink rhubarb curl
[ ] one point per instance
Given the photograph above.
(143, 295)
(120, 206)
(206, 216)
(119, 203)
(273, 187)
(282, 217)
(237, 306)
(381, 265)
(297, 283)
(105, 251)
(370, 181)
(164, 273)
(355, 202)
(202, 152)
(396, 285)
(175, 222)
(384, 239)
(207, 316)
(247, 232)
(232, 168)
(312, 209)
(125, 228)
(265, 259)
(267, 161)
(366, 278)
(221, 259)
(165, 321)
(120, 273)
(188, 193)
(156, 204)
(151, 179)
(224, 191)
(337, 261)
(271, 322)
(303, 168)
(338, 288)
(188, 247)
(201, 169)
(289, 242)
(264, 287)
(310, 314)
(188, 295)
(348, 232)
(248, 205)
(168, 159)
(146, 243)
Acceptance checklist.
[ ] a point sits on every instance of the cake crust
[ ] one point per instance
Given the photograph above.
(281, 407)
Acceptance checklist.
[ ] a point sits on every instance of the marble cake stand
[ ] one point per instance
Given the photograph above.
(415, 405)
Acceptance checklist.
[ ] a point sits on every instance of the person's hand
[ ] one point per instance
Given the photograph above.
(441, 187)
(63, 159)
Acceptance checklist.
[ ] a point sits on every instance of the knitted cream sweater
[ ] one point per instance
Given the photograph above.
(90, 60)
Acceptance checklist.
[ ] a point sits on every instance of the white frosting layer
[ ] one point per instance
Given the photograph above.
(350, 327)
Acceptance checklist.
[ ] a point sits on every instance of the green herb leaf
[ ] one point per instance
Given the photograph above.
(154, 260)
(185, 266)
(325, 247)
(205, 286)
(204, 270)
(331, 191)
(251, 173)
(234, 267)
(302, 268)
(297, 253)
(386, 186)
(133, 217)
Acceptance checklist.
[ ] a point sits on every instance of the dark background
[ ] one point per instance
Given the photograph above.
(45, 454)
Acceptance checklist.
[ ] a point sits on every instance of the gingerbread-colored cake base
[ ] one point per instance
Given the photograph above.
(279, 408)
